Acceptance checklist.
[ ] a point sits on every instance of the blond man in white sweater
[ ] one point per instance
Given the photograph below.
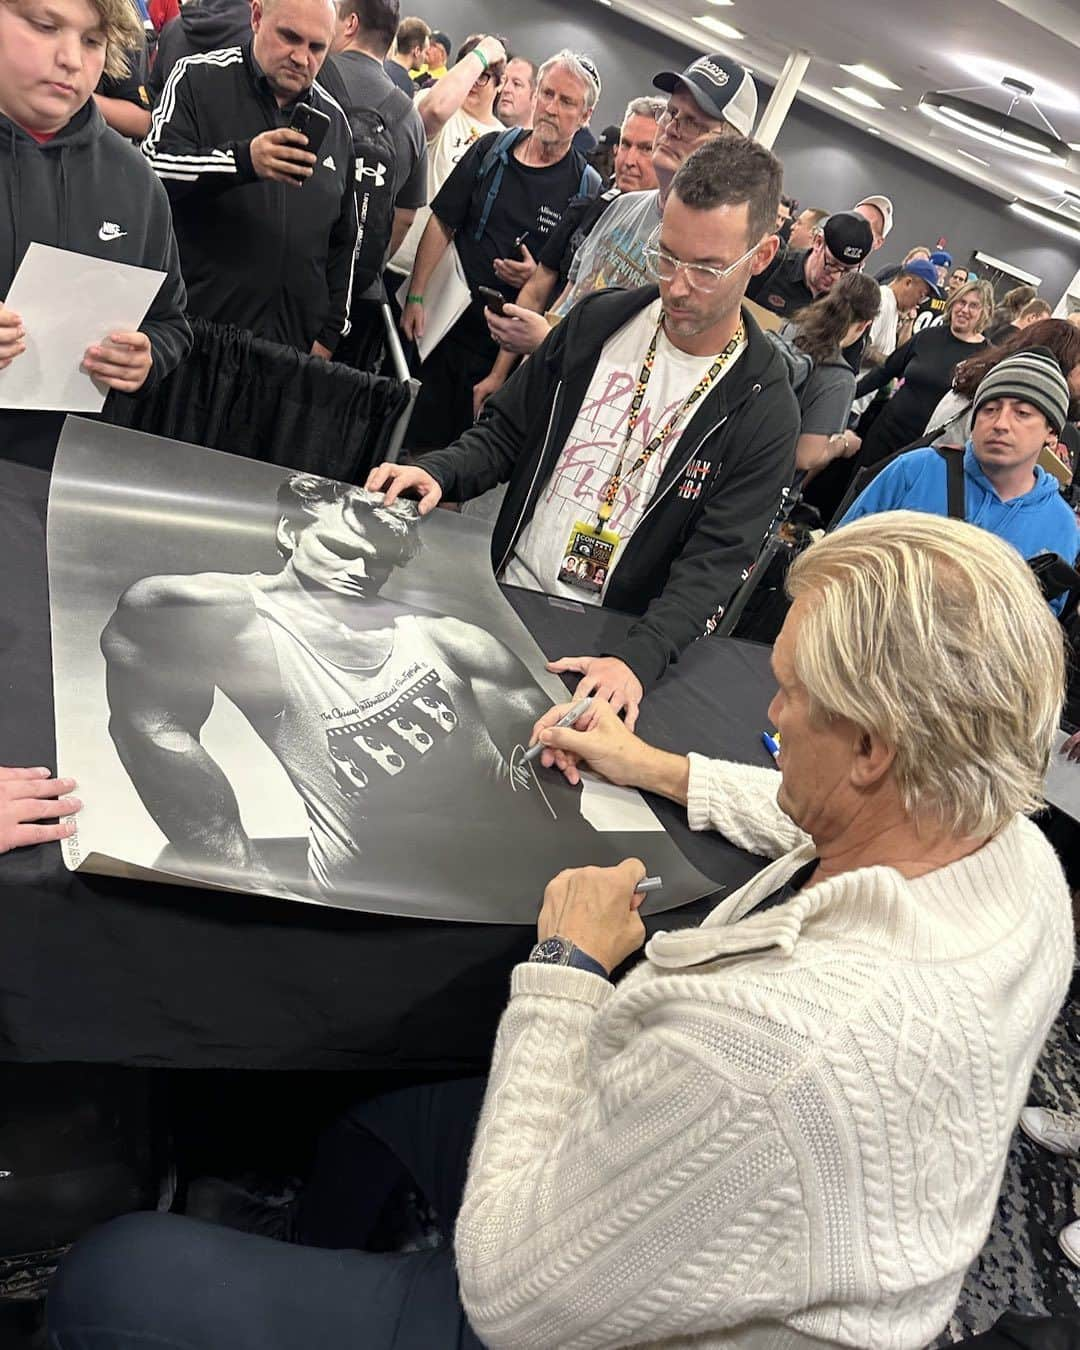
(787, 1128)
(783, 1130)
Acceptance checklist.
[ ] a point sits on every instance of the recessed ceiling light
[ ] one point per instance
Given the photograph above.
(974, 158)
(721, 2)
(1041, 217)
(718, 27)
(870, 75)
(1047, 93)
(993, 126)
(857, 95)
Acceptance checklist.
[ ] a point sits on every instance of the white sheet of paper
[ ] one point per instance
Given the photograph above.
(1063, 780)
(68, 302)
(446, 298)
(610, 808)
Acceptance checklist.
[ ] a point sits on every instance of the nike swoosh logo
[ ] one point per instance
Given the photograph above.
(106, 235)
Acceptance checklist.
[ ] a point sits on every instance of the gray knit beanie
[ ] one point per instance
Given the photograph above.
(1032, 375)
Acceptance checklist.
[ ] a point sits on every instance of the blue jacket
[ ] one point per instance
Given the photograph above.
(1037, 522)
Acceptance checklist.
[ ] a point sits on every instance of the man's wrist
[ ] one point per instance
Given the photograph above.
(666, 774)
(481, 57)
(561, 951)
(414, 298)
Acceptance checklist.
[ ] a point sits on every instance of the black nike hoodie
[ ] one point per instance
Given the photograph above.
(90, 191)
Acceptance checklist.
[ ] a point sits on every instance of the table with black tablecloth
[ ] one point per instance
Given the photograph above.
(105, 970)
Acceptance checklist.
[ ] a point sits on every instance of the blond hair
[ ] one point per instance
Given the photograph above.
(985, 293)
(934, 635)
(123, 34)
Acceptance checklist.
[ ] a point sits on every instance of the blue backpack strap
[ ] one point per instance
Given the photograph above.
(591, 182)
(496, 157)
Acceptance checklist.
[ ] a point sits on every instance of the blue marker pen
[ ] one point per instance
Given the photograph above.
(771, 743)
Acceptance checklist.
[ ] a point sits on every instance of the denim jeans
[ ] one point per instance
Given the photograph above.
(165, 1282)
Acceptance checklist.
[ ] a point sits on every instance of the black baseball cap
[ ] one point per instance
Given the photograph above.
(443, 41)
(720, 87)
(848, 237)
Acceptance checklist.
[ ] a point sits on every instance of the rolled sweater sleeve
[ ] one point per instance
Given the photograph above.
(739, 802)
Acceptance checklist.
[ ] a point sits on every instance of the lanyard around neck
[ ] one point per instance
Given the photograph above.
(611, 490)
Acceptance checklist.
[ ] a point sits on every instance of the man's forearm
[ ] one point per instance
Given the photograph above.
(124, 116)
(665, 774)
(188, 795)
(403, 218)
(433, 244)
(536, 292)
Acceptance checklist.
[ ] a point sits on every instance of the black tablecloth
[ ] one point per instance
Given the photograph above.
(100, 969)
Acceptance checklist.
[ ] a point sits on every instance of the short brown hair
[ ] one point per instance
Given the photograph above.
(730, 170)
(1033, 307)
(378, 19)
(412, 33)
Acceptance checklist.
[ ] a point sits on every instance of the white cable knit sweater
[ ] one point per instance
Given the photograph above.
(780, 1133)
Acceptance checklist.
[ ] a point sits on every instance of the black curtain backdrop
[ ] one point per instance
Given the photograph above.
(240, 393)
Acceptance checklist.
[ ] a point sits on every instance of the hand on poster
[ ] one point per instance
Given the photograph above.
(12, 336)
(599, 739)
(31, 795)
(607, 678)
(122, 361)
(397, 479)
(517, 329)
(596, 908)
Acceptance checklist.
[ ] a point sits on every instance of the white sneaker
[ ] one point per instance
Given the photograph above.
(1054, 1130)
(1069, 1241)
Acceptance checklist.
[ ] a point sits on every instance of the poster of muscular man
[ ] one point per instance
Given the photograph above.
(270, 681)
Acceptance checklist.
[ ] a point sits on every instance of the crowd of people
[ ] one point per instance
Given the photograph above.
(635, 353)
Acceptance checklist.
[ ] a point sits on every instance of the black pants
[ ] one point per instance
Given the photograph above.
(444, 406)
(163, 1282)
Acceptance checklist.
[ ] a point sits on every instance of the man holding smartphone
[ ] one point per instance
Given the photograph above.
(257, 160)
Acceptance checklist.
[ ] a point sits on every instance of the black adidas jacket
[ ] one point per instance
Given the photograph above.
(269, 257)
(201, 26)
(88, 190)
(716, 496)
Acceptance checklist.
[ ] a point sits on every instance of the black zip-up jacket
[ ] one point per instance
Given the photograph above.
(270, 257)
(718, 492)
(90, 191)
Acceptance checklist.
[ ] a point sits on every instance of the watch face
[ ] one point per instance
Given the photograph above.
(553, 951)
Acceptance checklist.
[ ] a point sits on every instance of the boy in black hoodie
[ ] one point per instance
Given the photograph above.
(75, 184)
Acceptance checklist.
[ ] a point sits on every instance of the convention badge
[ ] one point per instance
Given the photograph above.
(587, 557)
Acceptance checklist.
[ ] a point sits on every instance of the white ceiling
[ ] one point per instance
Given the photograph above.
(920, 45)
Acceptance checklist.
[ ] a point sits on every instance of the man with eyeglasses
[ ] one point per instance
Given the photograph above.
(502, 200)
(713, 96)
(653, 432)
(800, 276)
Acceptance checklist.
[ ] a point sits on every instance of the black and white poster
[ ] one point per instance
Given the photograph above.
(270, 681)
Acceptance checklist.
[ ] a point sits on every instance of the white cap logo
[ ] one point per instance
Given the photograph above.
(852, 252)
(717, 74)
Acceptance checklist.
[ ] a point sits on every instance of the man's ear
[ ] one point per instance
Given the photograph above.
(765, 253)
(286, 537)
(871, 761)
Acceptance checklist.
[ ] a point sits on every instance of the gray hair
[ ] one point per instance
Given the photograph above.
(647, 106)
(985, 293)
(579, 65)
(933, 634)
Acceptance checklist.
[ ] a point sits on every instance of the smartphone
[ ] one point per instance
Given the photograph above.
(311, 123)
(495, 299)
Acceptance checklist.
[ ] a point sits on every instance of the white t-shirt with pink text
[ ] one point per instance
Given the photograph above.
(591, 453)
